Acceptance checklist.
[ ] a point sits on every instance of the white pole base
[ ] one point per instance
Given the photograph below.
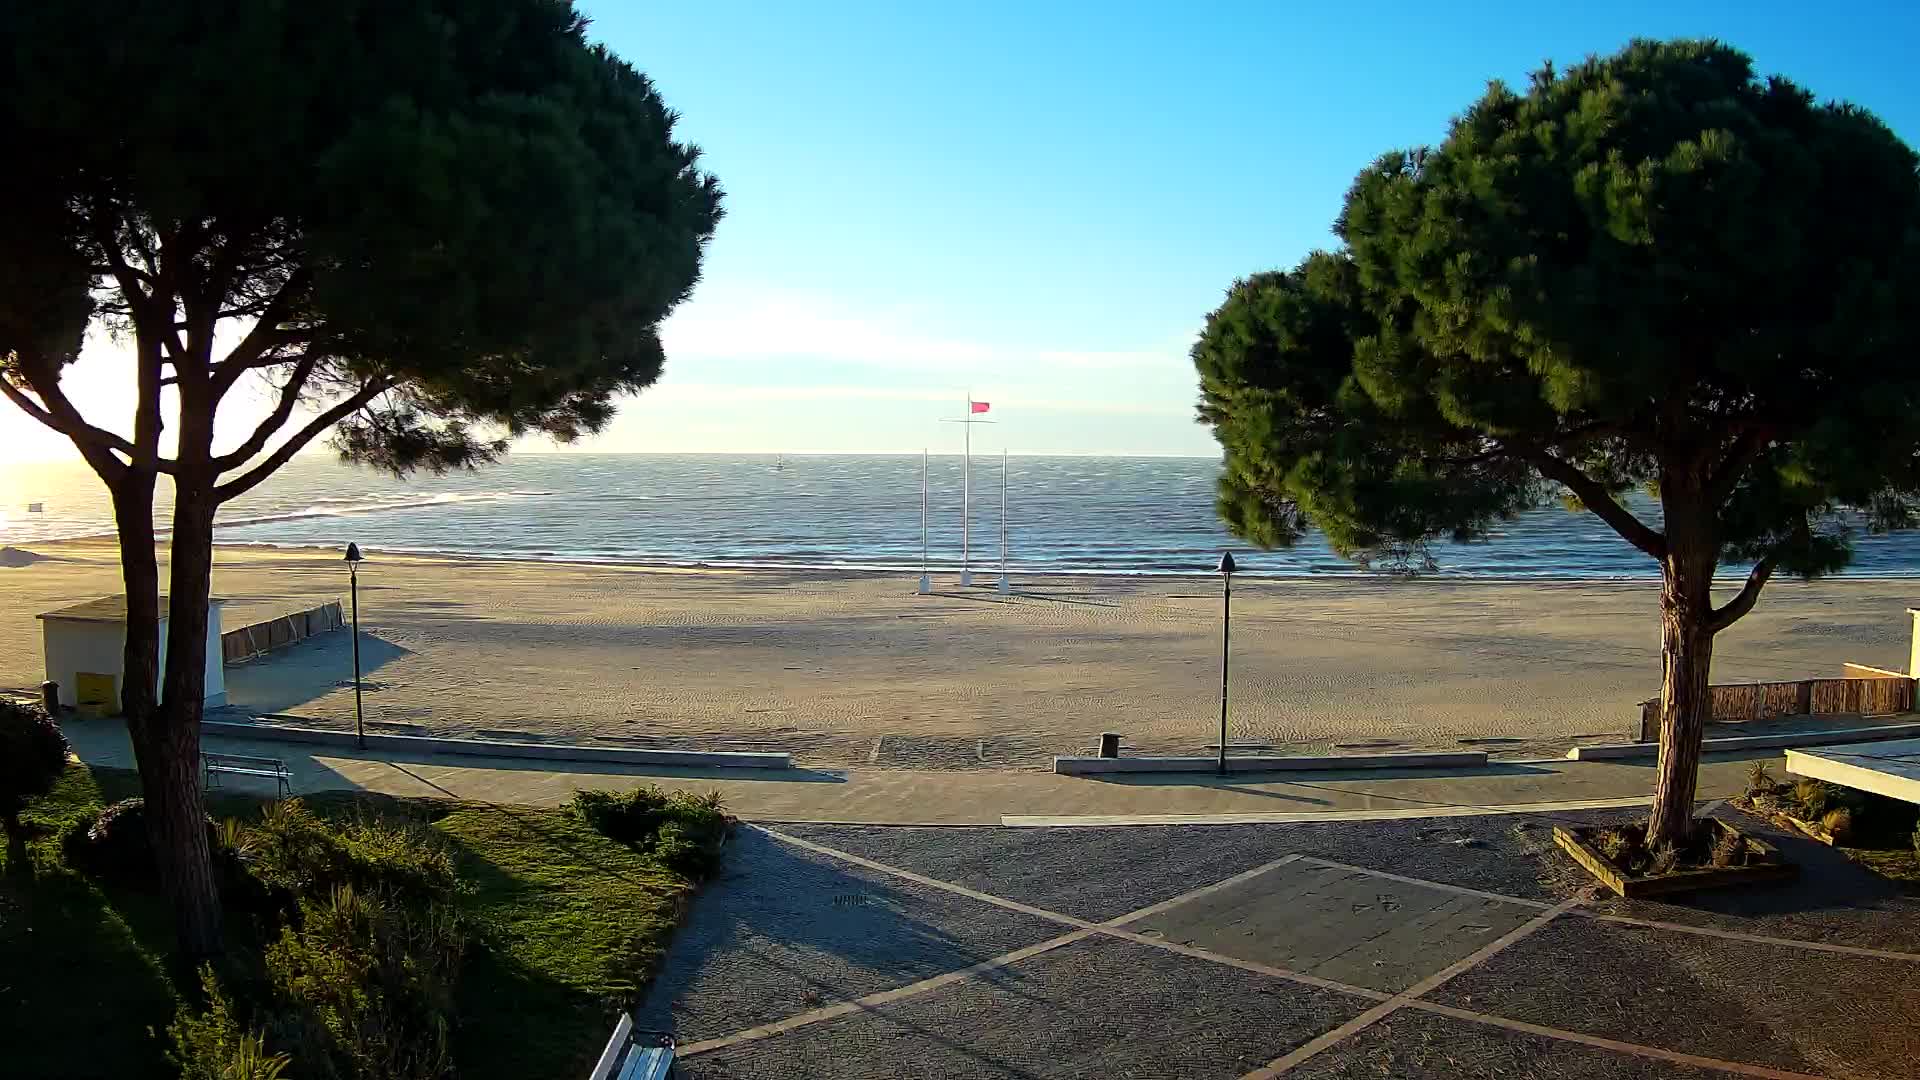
(926, 585)
(1006, 587)
(966, 578)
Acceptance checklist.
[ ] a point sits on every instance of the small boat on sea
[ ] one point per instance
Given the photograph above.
(35, 508)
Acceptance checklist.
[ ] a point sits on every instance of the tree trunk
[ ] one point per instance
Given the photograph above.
(186, 868)
(166, 742)
(1686, 639)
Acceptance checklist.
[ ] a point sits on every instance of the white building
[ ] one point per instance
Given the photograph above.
(90, 640)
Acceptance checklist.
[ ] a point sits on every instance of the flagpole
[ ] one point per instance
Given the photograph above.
(966, 497)
(926, 579)
(1005, 586)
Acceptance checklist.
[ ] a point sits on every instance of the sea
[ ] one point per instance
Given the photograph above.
(1064, 515)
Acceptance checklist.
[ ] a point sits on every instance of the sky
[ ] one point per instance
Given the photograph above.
(1038, 203)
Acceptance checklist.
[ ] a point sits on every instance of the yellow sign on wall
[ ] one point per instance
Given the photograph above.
(95, 694)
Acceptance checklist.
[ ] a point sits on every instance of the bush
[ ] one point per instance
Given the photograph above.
(1813, 798)
(113, 842)
(33, 755)
(1665, 861)
(212, 1045)
(680, 830)
(363, 989)
(1729, 849)
(1759, 779)
(1838, 822)
(292, 849)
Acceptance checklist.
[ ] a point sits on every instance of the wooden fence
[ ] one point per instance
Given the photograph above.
(1865, 690)
(237, 646)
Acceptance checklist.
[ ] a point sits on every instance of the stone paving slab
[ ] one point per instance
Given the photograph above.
(785, 930)
(1102, 873)
(1096, 1008)
(1094, 874)
(1748, 1002)
(1337, 924)
(1416, 1044)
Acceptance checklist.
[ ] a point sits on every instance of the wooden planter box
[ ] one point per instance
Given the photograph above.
(1785, 820)
(1767, 866)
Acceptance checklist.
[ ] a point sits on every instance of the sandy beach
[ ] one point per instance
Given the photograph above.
(857, 669)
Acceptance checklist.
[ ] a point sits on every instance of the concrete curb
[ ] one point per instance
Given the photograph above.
(1626, 751)
(615, 755)
(1099, 766)
(1066, 821)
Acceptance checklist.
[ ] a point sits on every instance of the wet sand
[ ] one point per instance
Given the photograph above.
(856, 669)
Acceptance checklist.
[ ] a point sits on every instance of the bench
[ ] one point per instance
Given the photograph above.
(212, 765)
(634, 1054)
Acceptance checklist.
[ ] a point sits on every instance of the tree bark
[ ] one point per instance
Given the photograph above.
(1686, 641)
(179, 830)
(166, 750)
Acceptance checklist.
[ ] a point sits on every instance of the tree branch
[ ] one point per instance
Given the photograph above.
(95, 444)
(264, 335)
(246, 481)
(128, 278)
(1746, 447)
(1597, 499)
(1730, 612)
(289, 399)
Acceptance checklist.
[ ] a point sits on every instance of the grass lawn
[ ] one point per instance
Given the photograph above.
(566, 926)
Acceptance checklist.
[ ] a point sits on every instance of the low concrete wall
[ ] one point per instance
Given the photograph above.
(1097, 766)
(613, 755)
(1630, 751)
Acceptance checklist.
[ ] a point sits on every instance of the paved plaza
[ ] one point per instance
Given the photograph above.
(1458, 947)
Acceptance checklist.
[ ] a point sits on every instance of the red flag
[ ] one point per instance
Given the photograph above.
(980, 406)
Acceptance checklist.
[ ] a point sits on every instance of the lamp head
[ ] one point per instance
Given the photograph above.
(1227, 566)
(353, 554)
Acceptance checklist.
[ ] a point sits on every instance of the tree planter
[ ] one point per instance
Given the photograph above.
(1764, 864)
(1785, 820)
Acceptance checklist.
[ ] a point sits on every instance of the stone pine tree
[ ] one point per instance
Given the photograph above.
(423, 225)
(1651, 271)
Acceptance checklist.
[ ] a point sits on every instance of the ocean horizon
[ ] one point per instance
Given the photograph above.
(1101, 515)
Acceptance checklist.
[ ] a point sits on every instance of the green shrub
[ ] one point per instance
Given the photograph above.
(1617, 846)
(113, 842)
(33, 755)
(1813, 798)
(1759, 779)
(1665, 861)
(1729, 849)
(680, 830)
(363, 989)
(1838, 822)
(292, 849)
(212, 1045)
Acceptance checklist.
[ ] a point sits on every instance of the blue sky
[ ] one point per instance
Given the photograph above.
(1041, 201)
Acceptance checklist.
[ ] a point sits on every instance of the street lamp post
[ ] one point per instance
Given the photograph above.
(354, 558)
(1226, 624)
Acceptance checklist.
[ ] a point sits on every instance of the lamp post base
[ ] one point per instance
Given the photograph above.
(926, 585)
